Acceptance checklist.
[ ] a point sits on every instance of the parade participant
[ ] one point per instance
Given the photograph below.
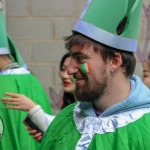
(113, 111)
(36, 114)
(14, 77)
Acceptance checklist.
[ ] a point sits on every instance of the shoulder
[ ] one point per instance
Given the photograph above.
(60, 130)
(63, 119)
(65, 114)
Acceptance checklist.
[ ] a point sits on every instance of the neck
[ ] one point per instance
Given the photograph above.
(117, 92)
(4, 61)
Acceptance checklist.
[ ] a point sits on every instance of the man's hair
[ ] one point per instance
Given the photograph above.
(128, 59)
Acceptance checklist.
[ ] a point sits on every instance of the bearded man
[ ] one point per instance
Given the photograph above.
(113, 111)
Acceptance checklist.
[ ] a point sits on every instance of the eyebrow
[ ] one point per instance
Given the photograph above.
(146, 71)
(75, 53)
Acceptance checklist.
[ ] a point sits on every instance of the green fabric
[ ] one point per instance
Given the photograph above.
(135, 136)
(7, 43)
(15, 136)
(63, 135)
(14, 53)
(3, 32)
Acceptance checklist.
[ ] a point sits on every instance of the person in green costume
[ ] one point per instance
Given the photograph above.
(41, 119)
(113, 112)
(14, 77)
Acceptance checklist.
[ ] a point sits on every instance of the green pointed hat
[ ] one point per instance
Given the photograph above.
(7, 45)
(4, 48)
(15, 55)
(112, 22)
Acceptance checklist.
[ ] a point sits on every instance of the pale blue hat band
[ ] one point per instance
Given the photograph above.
(4, 51)
(105, 37)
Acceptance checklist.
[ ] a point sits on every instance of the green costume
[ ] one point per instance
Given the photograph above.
(124, 126)
(14, 135)
(15, 78)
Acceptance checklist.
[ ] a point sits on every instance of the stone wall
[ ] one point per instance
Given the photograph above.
(38, 28)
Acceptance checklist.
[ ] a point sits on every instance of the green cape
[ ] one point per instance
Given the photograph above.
(62, 134)
(13, 135)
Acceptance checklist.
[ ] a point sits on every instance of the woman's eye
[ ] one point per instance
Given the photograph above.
(145, 75)
(63, 69)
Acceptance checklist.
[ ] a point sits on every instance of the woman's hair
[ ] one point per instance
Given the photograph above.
(128, 59)
(63, 59)
(68, 98)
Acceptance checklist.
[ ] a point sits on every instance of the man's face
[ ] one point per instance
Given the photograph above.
(93, 85)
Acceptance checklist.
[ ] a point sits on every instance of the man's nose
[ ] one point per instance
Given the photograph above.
(73, 67)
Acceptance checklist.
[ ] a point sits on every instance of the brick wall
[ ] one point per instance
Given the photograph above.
(38, 28)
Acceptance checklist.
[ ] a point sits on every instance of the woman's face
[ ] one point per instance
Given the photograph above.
(67, 80)
(146, 74)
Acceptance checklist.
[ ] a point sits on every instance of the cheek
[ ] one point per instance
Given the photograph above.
(86, 68)
(61, 75)
(146, 81)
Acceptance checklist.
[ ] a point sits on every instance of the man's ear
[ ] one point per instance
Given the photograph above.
(116, 62)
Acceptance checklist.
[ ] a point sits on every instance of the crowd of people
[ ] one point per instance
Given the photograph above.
(104, 107)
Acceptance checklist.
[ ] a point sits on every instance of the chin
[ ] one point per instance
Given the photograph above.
(68, 90)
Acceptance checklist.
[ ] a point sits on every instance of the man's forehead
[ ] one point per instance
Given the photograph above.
(76, 48)
(77, 52)
(79, 49)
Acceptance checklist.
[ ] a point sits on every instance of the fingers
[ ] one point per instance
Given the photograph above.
(12, 95)
(9, 100)
(39, 138)
(13, 99)
(12, 103)
(35, 134)
(38, 134)
(13, 107)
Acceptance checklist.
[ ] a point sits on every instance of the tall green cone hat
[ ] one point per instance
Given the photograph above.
(15, 55)
(112, 22)
(4, 48)
(6, 43)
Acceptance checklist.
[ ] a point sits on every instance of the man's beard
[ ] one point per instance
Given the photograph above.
(92, 90)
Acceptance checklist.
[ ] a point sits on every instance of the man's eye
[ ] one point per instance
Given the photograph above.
(79, 58)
